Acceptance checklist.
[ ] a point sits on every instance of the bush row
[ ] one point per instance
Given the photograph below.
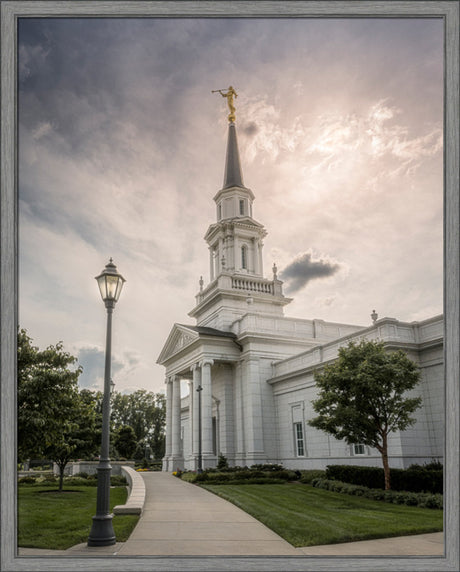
(414, 479)
(76, 480)
(243, 476)
(307, 476)
(423, 500)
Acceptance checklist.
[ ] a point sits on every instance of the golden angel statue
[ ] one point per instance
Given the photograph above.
(230, 94)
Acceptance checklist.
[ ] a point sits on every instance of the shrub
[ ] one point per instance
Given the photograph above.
(411, 499)
(222, 463)
(78, 481)
(82, 475)
(118, 481)
(27, 480)
(415, 479)
(372, 477)
(267, 467)
(307, 476)
(45, 479)
(423, 500)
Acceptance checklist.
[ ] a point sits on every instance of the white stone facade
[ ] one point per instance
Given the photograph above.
(254, 368)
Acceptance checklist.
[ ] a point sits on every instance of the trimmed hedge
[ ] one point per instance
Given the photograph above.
(244, 476)
(115, 481)
(414, 479)
(307, 476)
(422, 500)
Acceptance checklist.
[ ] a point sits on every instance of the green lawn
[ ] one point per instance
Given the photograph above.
(307, 516)
(49, 519)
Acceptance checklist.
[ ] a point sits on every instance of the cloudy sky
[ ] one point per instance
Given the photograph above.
(122, 146)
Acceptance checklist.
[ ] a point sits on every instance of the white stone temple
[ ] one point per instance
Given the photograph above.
(254, 367)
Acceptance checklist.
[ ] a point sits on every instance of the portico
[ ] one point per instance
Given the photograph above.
(205, 359)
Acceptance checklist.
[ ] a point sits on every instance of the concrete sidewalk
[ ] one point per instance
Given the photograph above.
(182, 519)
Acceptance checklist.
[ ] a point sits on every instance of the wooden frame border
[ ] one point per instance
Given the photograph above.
(11, 10)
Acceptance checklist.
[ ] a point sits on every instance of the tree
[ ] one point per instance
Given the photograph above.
(361, 396)
(145, 412)
(125, 441)
(53, 420)
(47, 389)
(77, 439)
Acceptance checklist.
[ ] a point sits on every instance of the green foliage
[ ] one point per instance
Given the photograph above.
(47, 390)
(145, 412)
(423, 500)
(307, 476)
(54, 420)
(27, 480)
(222, 462)
(415, 479)
(362, 396)
(253, 475)
(267, 467)
(372, 477)
(118, 481)
(125, 441)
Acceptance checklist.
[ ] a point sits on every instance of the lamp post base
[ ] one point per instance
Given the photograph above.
(102, 533)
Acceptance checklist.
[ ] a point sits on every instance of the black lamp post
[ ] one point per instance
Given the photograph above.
(110, 283)
(200, 455)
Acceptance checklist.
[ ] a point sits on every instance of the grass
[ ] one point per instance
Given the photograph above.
(306, 516)
(53, 520)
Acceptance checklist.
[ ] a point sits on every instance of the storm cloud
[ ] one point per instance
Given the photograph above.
(304, 268)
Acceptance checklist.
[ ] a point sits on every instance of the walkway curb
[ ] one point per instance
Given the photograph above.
(136, 498)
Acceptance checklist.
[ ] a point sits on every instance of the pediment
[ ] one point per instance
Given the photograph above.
(179, 338)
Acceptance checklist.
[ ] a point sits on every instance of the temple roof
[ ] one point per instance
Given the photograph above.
(205, 331)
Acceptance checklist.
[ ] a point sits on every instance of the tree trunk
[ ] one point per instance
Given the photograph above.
(61, 476)
(386, 466)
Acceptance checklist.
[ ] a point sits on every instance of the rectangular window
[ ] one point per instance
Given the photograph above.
(241, 207)
(359, 449)
(298, 440)
(244, 257)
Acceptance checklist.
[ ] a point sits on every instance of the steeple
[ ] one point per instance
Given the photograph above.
(237, 284)
(233, 174)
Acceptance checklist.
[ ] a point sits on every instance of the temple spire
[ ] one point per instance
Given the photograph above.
(233, 176)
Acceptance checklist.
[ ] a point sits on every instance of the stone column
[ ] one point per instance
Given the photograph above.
(253, 420)
(206, 409)
(217, 402)
(191, 401)
(195, 423)
(236, 254)
(176, 445)
(239, 420)
(211, 263)
(168, 444)
(255, 254)
(226, 421)
(261, 264)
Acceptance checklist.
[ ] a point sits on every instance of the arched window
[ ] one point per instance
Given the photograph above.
(244, 257)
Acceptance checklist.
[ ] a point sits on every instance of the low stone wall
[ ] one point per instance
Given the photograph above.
(90, 467)
(136, 498)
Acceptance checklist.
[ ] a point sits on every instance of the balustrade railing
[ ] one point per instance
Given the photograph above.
(252, 285)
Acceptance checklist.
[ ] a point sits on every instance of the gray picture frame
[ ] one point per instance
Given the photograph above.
(449, 11)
